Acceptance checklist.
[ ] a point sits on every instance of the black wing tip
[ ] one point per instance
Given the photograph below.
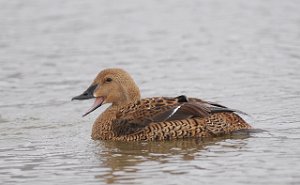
(182, 98)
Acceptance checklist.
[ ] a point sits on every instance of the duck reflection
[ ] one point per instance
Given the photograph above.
(123, 159)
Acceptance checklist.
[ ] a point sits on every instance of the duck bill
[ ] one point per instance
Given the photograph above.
(89, 94)
(98, 102)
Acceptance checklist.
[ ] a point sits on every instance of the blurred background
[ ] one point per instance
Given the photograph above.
(243, 54)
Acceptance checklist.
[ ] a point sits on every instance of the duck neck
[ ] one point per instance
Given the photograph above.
(102, 125)
(129, 94)
(102, 128)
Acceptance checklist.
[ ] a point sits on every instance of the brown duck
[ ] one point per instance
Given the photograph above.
(130, 118)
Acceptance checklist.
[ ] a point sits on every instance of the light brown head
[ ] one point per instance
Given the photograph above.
(111, 85)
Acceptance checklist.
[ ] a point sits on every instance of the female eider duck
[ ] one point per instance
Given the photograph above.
(130, 118)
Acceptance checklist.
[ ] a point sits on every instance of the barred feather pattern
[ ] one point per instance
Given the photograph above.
(214, 125)
(130, 118)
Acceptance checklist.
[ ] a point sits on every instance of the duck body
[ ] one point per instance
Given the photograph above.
(165, 118)
(131, 118)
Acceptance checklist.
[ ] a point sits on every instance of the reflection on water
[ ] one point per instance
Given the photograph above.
(243, 54)
(120, 158)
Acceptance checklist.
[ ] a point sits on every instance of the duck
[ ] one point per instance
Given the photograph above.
(132, 118)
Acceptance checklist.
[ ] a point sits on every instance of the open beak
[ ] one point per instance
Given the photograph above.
(89, 94)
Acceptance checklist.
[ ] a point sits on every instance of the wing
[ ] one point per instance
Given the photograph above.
(140, 114)
(215, 107)
(144, 110)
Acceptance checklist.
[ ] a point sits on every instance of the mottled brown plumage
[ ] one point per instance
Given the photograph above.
(131, 118)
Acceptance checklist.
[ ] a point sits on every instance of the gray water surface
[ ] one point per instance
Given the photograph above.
(243, 54)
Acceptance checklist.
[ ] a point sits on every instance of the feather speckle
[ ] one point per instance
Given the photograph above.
(131, 118)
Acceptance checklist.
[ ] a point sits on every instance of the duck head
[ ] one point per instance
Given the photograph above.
(113, 86)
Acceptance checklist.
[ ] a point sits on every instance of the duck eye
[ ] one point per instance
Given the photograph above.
(108, 80)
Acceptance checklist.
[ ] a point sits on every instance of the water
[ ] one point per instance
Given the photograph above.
(243, 54)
